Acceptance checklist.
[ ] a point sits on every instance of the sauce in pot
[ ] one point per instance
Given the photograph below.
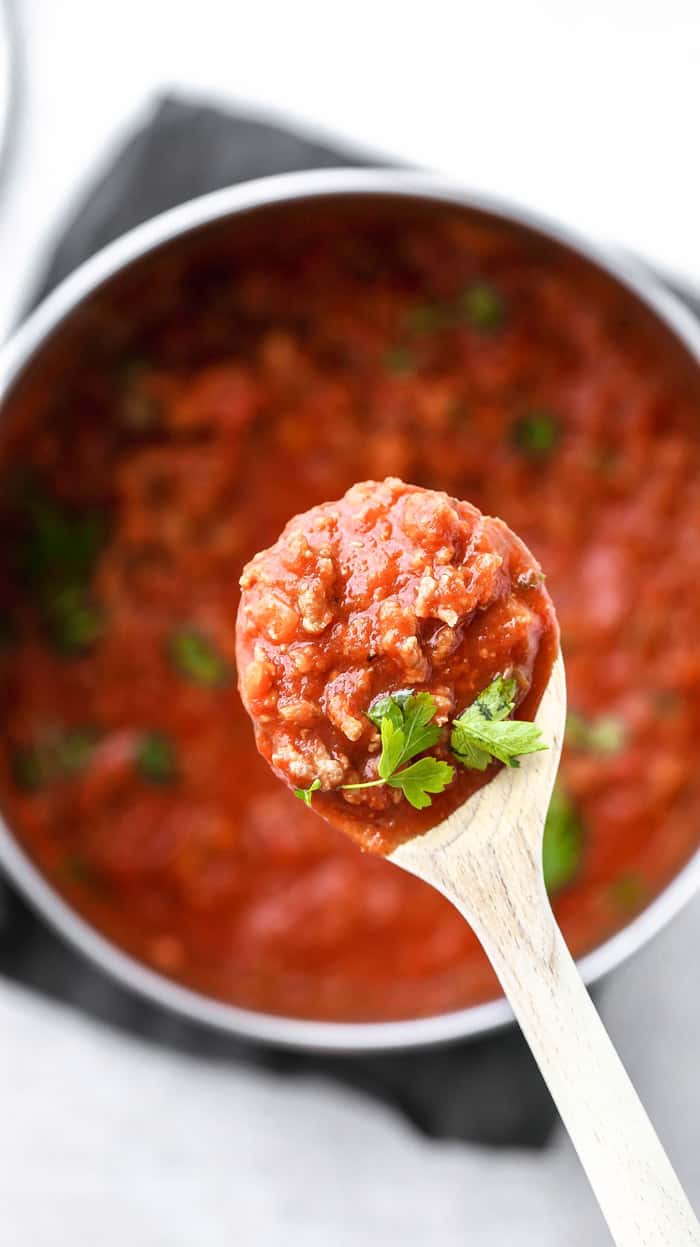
(167, 433)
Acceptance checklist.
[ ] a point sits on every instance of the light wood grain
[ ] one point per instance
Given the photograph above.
(487, 859)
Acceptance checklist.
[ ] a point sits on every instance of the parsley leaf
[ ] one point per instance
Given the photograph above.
(497, 700)
(419, 733)
(410, 713)
(420, 778)
(156, 760)
(393, 742)
(391, 705)
(194, 655)
(629, 892)
(425, 318)
(484, 730)
(58, 553)
(535, 433)
(562, 848)
(403, 719)
(56, 756)
(304, 794)
(605, 734)
(400, 361)
(60, 545)
(74, 621)
(404, 722)
(482, 307)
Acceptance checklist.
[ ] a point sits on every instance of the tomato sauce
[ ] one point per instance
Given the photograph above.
(391, 589)
(169, 430)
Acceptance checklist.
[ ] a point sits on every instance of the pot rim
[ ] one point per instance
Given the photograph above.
(348, 1037)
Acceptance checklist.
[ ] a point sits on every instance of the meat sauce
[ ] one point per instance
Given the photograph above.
(390, 592)
(192, 405)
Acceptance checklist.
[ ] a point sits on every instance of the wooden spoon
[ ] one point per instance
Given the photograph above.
(487, 859)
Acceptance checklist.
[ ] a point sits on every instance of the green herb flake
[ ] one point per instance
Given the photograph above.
(73, 619)
(400, 361)
(61, 544)
(76, 869)
(415, 732)
(194, 656)
(74, 750)
(535, 433)
(156, 758)
(390, 705)
(404, 722)
(57, 559)
(482, 307)
(305, 794)
(485, 731)
(629, 893)
(28, 770)
(425, 318)
(427, 775)
(562, 848)
(605, 734)
(54, 757)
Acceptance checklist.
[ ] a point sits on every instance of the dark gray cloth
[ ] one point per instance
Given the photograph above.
(183, 151)
(488, 1090)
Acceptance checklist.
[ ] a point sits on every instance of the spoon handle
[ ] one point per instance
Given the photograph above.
(631, 1175)
(499, 889)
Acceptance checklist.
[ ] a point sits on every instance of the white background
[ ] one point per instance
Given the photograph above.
(587, 111)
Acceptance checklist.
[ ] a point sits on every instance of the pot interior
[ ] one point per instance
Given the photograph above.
(168, 428)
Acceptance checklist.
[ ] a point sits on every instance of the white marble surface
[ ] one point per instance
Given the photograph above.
(590, 113)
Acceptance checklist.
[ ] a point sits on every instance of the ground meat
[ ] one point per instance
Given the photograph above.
(401, 588)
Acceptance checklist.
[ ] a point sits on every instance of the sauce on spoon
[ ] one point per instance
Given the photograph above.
(402, 604)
